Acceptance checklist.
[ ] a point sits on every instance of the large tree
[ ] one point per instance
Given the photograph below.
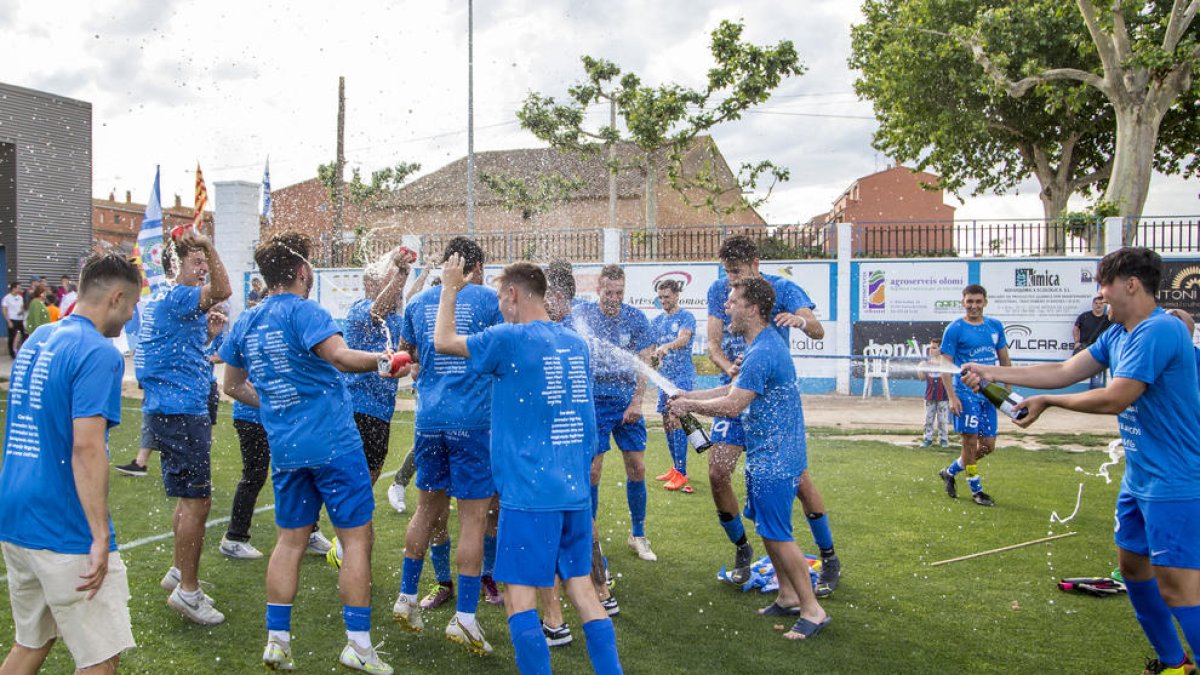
(662, 121)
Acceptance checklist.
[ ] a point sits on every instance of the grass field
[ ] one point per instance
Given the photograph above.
(893, 612)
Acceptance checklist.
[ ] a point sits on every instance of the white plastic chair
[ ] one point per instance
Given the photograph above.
(876, 367)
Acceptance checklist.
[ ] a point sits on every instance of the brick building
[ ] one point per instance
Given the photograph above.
(307, 207)
(115, 224)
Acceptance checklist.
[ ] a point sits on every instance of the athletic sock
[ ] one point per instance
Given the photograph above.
(489, 554)
(439, 554)
(358, 625)
(602, 646)
(974, 480)
(1156, 620)
(468, 594)
(956, 467)
(732, 524)
(410, 575)
(279, 620)
(677, 443)
(1189, 621)
(635, 494)
(818, 523)
(595, 500)
(532, 652)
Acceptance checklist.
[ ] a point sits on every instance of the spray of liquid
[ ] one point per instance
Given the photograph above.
(611, 351)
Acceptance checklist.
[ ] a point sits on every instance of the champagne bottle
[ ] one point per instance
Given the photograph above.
(1004, 399)
(696, 434)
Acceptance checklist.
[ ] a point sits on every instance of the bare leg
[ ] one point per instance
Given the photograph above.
(551, 601)
(23, 660)
(721, 460)
(190, 515)
(354, 577)
(283, 569)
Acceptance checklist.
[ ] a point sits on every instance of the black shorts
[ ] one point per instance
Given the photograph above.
(375, 434)
(214, 401)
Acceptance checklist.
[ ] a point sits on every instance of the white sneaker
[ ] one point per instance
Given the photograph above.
(408, 615)
(171, 579)
(396, 497)
(318, 544)
(368, 662)
(470, 638)
(200, 611)
(641, 546)
(278, 656)
(239, 550)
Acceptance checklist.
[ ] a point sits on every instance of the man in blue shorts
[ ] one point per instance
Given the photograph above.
(616, 327)
(451, 447)
(176, 377)
(65, 577)
(793, 309)
(765, 394)
(373, 397)
(543, 433)
(1153, 391)
(972, 339)
(294, 352)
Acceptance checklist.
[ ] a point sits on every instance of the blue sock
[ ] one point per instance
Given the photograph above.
(975, 483)
(489, 554)
(1189, 621)
(410, 575)
(818, 523)
(732, 524)
(635, 494)
(677, 443)
(602, 646)
(279, 617)
(956, 467)
(440, 555)
(356, 618)
(525, 631)
(1156, 620)
(468, 593)
(595, 500)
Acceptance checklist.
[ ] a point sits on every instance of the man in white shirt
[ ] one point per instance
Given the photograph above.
(14, 316)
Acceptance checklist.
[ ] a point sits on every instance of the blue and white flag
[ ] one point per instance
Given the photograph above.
(148, 254)
(266, 193)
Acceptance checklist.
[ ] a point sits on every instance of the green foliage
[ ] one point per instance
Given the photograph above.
(777, 248)
(662, 121)
(361, 193)
(531, 198)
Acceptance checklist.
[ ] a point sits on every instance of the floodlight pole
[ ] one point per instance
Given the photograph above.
(470, 118)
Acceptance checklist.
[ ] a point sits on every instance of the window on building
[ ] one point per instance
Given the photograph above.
(117, 219)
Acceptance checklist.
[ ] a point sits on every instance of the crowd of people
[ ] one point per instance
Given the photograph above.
(25, 309)
(521, 391)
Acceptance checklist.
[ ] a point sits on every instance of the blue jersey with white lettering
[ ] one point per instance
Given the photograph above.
(372, 395)
(774, 420)
(613, 374)
(544, 422)
(304, 405)
(966, 342)
(789, 297)
(1161, 429)
(65, 371)
(677, 364)
(451, 396)
(170, 361)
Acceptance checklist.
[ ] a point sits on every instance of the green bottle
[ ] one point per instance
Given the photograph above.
(696, 434)
(1004, 399)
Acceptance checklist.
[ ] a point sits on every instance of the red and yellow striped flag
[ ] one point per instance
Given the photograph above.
(201, 200)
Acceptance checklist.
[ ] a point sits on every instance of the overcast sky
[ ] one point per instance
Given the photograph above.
(229, 83)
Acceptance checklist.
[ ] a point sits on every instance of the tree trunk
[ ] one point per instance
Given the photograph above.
(652, 206)
(1133, 158)
(1054, 196)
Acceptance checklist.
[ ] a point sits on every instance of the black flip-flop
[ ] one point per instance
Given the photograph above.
(774, 609)
(808, 629)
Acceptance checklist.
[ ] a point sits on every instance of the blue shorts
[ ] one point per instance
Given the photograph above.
(978, 417)
(728, 430)
(610, 413)
(456, 461)
(185, 442)
(533, 546)
(343, 485)
(684, 382)
(769, 504)
(1166, 532)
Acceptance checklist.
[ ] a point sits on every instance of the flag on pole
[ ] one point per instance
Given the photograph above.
(201, 200)
(147, 254)
(266, 193)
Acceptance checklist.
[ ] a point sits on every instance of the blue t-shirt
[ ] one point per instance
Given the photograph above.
(544, 427)
(1161, 429)
(371, 395)
(451, 396)
(65, 371)
(303, 403)
(170, 361)
(613, 375)
(789, 297)
(965, 342)
(774, 420)
(210, 350)
(677, 364)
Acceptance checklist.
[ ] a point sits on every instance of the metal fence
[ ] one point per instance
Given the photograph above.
(583, 245)
(977, 238)
(785, 242)
(1176, 234)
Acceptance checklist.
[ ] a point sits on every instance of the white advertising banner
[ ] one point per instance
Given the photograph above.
(894, 291)
(337, 289)
(1038, 300)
